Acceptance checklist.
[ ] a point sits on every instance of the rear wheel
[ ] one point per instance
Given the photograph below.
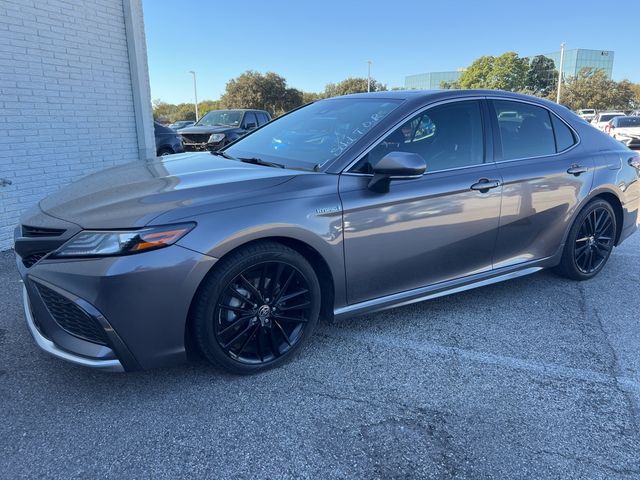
(590, 242)
(257, 308)
(165, 151)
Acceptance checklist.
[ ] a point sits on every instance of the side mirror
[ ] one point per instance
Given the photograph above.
(250, 126)
(396, 166)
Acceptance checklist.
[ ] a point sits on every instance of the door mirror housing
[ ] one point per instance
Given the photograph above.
(396, 166)
(250, 126)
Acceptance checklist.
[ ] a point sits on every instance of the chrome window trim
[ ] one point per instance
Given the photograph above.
(551, 112)
(374, 144)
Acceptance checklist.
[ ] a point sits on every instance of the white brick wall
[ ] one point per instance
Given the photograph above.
(66, 98)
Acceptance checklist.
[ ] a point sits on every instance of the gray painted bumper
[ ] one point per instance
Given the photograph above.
(112, 365)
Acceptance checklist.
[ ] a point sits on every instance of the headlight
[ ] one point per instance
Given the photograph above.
(216, 137)
(109, 243)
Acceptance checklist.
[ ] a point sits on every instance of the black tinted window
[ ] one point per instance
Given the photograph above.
(626, 122)
(447, 136)
(250, 118)
(262, 118)
(525, 130)
(564, 135)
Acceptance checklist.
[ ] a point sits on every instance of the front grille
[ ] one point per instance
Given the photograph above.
(71, 318)
(196, 137)
(32, 259)
(37, 232)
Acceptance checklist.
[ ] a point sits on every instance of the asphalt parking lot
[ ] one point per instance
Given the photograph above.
(536, 378)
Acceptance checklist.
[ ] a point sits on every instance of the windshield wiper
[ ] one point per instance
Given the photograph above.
(218, 153)
(259, 161)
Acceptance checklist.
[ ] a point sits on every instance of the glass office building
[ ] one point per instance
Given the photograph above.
(579, 58)
(431, 80)
(574, 60)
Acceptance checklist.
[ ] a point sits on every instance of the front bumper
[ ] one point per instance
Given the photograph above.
(108, 365)
(139, 304)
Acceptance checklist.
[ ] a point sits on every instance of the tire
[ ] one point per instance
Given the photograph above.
(590, 242)
(165, 151)
(245, 316)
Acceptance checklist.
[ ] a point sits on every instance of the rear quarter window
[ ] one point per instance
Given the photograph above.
(565, 138)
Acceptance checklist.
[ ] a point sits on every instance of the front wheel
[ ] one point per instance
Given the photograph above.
(590, 242)
(257, 308)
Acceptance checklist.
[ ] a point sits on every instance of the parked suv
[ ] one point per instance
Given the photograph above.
(221, 127)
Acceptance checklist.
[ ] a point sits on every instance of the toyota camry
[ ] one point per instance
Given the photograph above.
(342, 207)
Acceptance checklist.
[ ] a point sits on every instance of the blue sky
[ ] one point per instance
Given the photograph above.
(312, 43)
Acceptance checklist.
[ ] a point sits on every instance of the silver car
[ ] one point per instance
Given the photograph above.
(344, 206)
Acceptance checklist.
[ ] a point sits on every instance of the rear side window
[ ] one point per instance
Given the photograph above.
(564, 135)
(525, 130)
(262, 118)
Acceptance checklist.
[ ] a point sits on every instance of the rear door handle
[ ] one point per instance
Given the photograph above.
(484, 185)
(576, 170)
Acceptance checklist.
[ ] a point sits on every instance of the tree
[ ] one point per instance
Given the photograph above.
(591, 88)
(265, 92)
(635, 101)
(542, 76)
(506, 72)
(351, 85)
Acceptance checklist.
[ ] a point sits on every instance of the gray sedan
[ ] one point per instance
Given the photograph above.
(345, 206)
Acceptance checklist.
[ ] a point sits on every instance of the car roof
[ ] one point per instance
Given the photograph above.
(237, 110)
(449, 93)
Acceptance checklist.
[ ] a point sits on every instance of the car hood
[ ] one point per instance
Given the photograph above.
(133, 194)
(206, 129)
(635, 131)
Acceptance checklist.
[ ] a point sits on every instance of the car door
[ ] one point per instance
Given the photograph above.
(438, 227)
(545, 177)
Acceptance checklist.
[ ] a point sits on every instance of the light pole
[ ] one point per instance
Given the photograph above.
(195, 93)
(369, 75)
(560, 72)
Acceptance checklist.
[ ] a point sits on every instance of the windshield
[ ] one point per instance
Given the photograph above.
(628, 122)
(606, 118)
(221, 118)
(315, 134)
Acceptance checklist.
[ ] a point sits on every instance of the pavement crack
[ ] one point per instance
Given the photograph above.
(613, 367)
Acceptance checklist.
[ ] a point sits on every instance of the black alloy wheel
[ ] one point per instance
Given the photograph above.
(263, 312)
(590, 241)
(595, 240)
(257, 308)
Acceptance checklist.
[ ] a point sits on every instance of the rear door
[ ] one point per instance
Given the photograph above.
(427, 230)
(545, 177)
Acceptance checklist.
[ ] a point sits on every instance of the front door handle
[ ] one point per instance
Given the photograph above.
(576, 169)
(484, 185)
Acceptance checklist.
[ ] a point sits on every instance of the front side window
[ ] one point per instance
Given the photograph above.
(250, 120)
(316, 133)
(447, 136)
(525, 130)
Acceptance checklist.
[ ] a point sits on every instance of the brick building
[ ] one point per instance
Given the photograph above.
(74, 96)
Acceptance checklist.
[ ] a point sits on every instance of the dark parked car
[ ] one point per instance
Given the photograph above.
(168, 141)
(181, 124)
(345, 206)
(221, 127)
